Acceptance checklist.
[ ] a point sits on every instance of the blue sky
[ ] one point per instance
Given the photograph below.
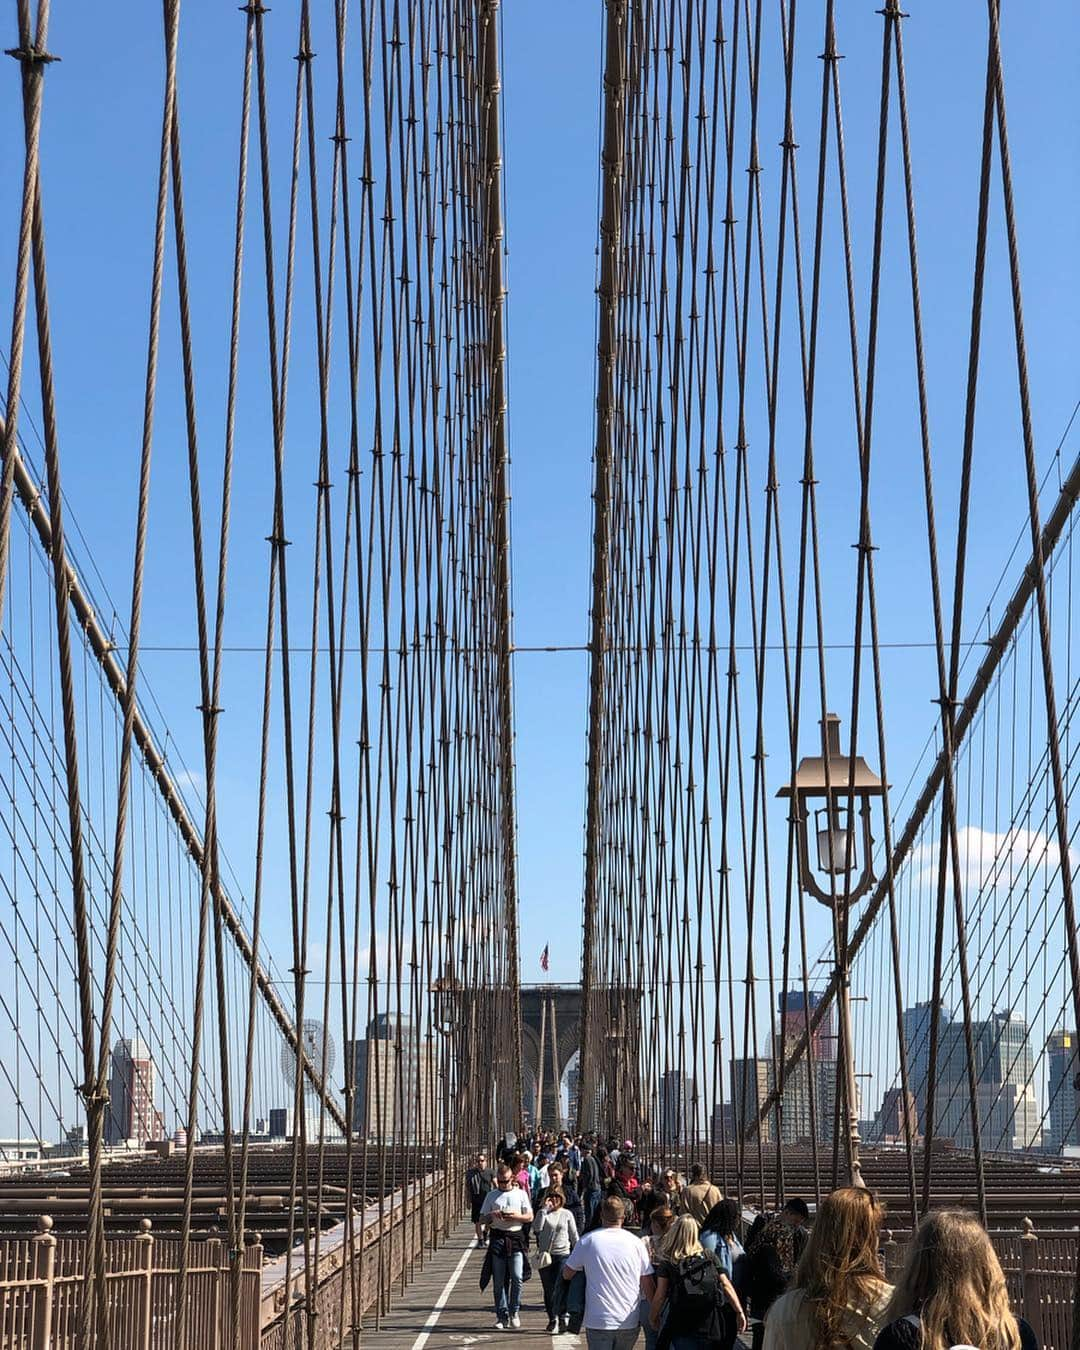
(102, 108)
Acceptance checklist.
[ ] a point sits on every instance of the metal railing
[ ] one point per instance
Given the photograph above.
(42, 1281)
(42, 1286)
(1039, 1271)
(392, 1239)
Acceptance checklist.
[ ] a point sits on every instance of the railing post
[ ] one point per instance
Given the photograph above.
(1030, 1279)
(212, 1253)
(253, 1272)
(145, 1242)
(889, 1247)
(44, 1271)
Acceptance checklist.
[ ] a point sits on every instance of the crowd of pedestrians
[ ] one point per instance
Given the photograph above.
(625, 1250)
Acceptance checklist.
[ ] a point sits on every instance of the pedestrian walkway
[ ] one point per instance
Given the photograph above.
(444, 1309)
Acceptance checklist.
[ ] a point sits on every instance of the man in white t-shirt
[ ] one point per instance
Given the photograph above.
(505, 1212)
(618, 1275)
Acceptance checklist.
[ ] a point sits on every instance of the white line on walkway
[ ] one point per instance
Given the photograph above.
(443, 1299)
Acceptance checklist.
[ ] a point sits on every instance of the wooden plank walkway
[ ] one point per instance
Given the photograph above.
(466, 1318)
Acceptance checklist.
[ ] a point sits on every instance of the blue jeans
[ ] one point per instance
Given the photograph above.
(591, 1201)
(574, 1296)
(554, 1287)
(507, 1271)
(644, 1313)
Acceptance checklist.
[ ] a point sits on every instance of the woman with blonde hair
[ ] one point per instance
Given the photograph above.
(838, 1297)
(693, 1289)
(952, 1292)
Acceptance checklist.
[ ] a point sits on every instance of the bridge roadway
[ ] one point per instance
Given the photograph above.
(1018, 1186)
(145, 1186)
(444, 1308)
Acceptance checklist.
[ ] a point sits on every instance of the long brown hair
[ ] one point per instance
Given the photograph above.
(840, 1266)
(953, 1280)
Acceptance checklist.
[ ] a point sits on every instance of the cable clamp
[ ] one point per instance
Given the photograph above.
(31, 56)
(96, 1099)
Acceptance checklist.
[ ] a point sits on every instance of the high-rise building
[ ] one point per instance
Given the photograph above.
(802, 1110)
(676, 1108)
(723, 1125)
(1063, 1106)
(132, 1117)
(896, 1115)
(751, 1081)
(1009, 1116)
(1005, 1058)
(796, 1009)
(396, 1079)
(915, 1024)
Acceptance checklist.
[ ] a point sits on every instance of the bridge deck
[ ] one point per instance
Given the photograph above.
(443, 1308)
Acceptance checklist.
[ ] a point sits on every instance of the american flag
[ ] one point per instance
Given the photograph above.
(544, 962)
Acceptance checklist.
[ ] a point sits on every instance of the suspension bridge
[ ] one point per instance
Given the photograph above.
(261, 978)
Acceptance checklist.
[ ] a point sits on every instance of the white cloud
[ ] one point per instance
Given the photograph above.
(989, 859)
(189, 778)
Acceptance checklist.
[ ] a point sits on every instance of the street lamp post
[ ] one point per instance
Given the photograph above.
(840, 872)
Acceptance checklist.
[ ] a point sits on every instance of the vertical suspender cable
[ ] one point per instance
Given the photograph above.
(492, 195)
(607, 354)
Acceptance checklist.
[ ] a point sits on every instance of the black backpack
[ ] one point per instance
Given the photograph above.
(697, 1298)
